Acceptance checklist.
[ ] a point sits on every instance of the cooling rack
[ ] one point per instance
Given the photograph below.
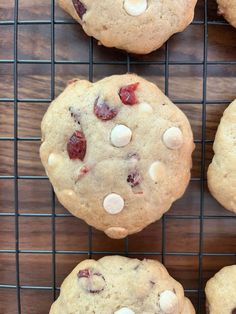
(40, 242)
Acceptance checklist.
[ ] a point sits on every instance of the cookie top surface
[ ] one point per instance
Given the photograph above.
(228, 9)
(221, 291)
(138, 26)
(222, 170)
(121, 285)
(117, 152)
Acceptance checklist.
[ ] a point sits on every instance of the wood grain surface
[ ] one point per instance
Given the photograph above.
(35, 196)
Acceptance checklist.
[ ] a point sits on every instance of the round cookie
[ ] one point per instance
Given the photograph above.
(222, 171)
(117, 152)
(221, 292)
(138, 26)
(120, 285)
(228, 9)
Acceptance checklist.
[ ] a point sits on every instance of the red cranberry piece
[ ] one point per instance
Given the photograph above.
(91, 280)
(80, 8)
(103, 111)
(84, 273)
(127, 94)
(134, 178)
(76, 147)
(84, 170)
(234, 311)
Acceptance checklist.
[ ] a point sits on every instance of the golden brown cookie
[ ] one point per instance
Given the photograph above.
(120, 285)
(138, 26)
(221, 292)
(222, 170)
(228, 9)
(117, 152)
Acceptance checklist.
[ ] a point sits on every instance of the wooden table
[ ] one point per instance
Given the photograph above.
(182, 226)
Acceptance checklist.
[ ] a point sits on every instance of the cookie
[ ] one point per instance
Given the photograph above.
(222, 170)
(228, 9)
(121, 285)
(138, 26)
(117, 152)
(221, 292)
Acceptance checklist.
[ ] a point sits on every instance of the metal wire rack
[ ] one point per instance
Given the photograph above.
(17, 177)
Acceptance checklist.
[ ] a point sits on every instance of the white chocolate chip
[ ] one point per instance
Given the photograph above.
(70, 193)
(113, 203)
(156, 170)
(135, 7)
(173, 138)
(145, 108)
(120, 135)
(124, 310)
(53, 159)
(168, 302)
(66, 196)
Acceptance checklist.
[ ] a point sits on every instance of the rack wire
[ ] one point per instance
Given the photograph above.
(16, 139)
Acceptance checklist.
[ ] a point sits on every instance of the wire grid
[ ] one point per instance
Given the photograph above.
(16, 177)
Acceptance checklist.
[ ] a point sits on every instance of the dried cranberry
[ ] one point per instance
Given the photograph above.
(84, 170)
(134, 178)
(103, 111)
(84, 273)
(80, 8)
(76, 147)
(127, 94)
(234, 311)
(91, 280)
